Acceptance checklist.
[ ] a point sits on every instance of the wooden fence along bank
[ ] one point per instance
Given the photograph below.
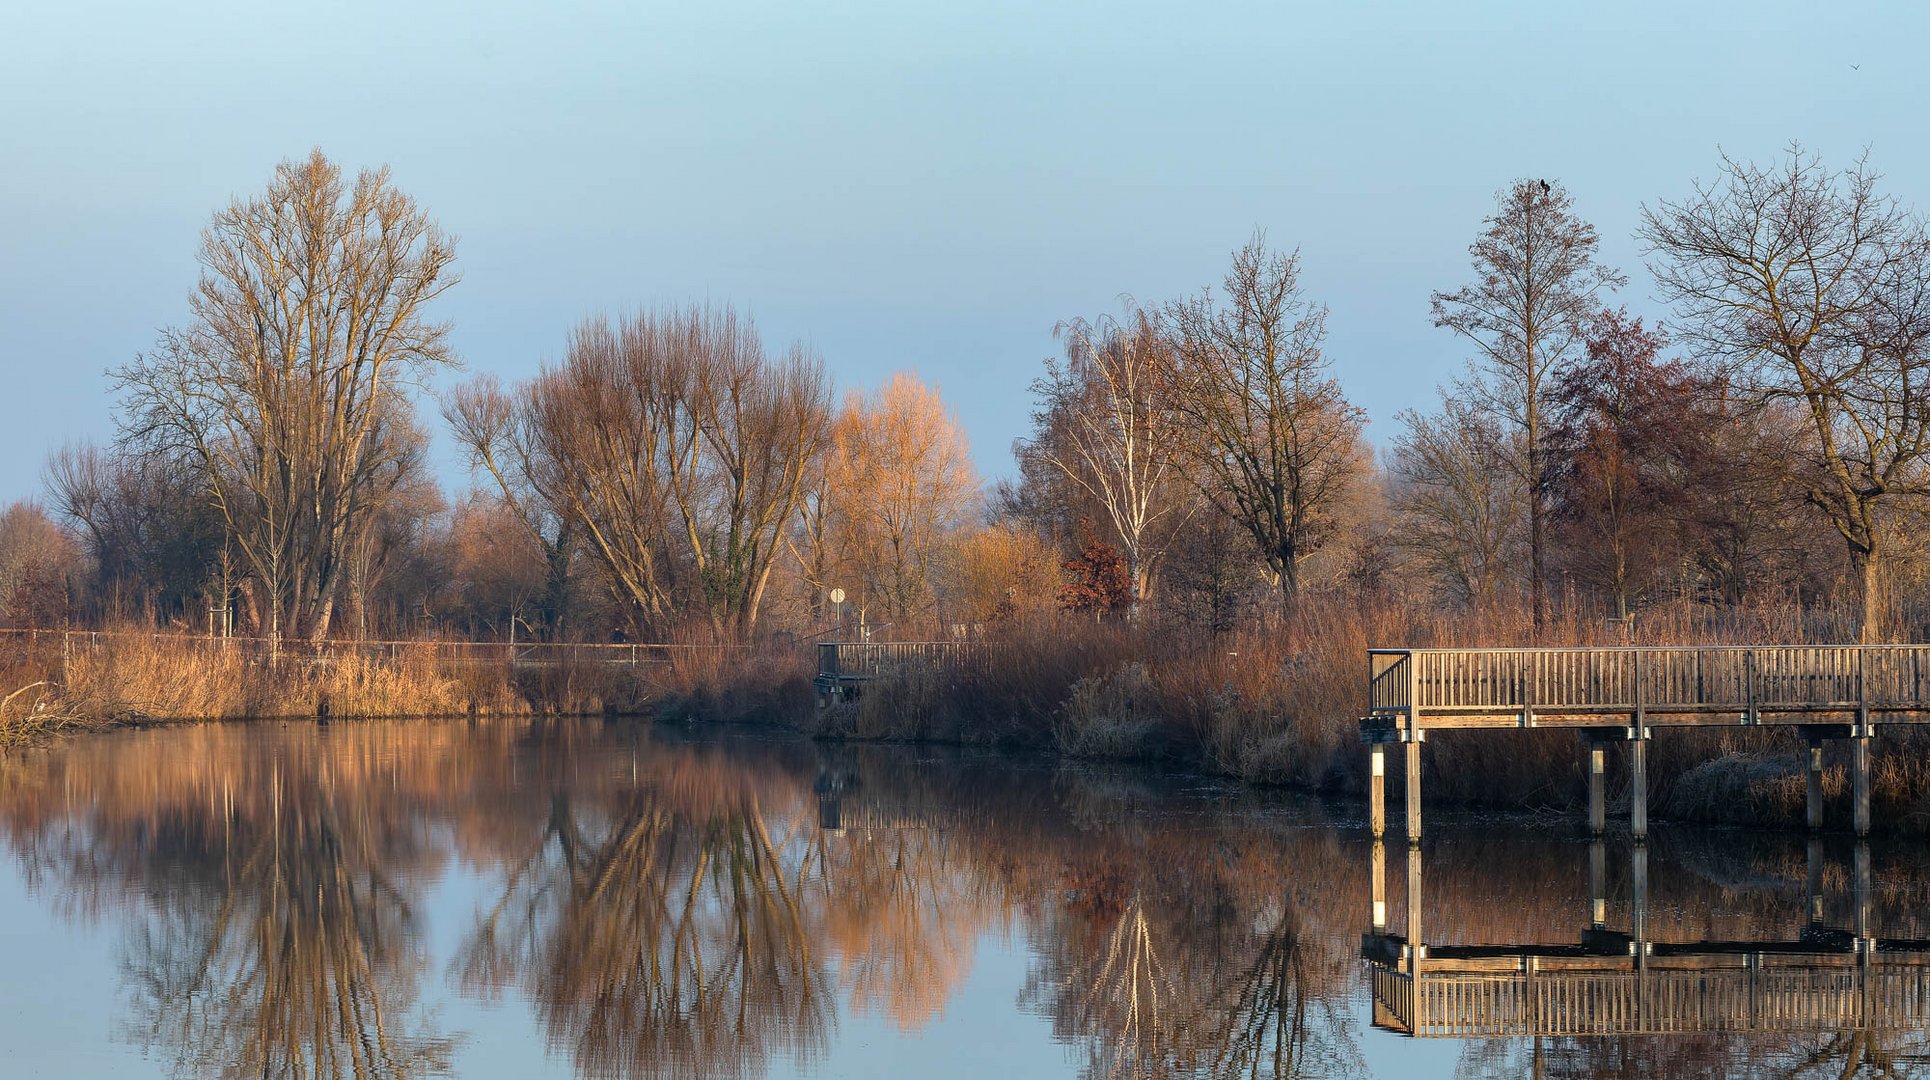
(1625, 694)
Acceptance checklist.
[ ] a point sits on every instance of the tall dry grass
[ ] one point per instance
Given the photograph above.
(118, 678)
(1281, 704)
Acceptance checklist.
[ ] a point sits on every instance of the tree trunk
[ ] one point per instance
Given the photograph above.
(1535, 577)
(1864, 578)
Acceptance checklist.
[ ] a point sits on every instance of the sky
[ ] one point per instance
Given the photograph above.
(899, 185)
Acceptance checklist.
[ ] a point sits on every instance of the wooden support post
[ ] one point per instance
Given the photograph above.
(1597, 801)
(1861, 781)
(1638, 866)
(1377, 790)
(1813, 886)
(1815, 784)
(1416, 951)
(1638, 787)
(1598, 884)
(1379, 870)
(1865, 937)
(1414, 788)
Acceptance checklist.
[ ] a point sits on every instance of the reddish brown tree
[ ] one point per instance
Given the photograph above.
(1620, 419)
(1096, 577)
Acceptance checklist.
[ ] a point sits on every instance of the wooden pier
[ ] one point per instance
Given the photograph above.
(1827, 692)
(1615, 982)
(844, 667)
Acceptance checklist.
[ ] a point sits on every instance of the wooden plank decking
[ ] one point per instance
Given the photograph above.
(1713, 685)
(1685, 991)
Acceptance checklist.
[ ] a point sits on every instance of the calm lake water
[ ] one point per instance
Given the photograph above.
(527, 899)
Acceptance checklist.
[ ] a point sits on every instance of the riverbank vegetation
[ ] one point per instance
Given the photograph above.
(1185, 559)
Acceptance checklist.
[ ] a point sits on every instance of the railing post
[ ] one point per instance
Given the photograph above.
(1749, 704)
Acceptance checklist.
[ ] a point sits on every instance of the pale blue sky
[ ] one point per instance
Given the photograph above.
(905, 186)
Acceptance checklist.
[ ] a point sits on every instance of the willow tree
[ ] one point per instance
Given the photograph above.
(1817, 289)
(672, 446)
(1527, 312)
(1269, 437)
(287, 391)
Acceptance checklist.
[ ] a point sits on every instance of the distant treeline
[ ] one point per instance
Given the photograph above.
(1194, 464)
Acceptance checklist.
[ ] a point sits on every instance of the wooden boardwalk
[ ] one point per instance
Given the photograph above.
(1611, 982)
(1680, 990)
(1623, 694)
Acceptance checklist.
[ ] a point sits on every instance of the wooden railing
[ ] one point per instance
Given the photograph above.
(852, 660)
(1748, 681)
(1729, 994)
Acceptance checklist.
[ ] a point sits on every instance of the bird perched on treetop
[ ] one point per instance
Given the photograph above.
(1544, 187)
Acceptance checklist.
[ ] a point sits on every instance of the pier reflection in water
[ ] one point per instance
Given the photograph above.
(532, 898)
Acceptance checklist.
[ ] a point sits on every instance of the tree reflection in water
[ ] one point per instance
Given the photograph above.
(269, 929)
(1195, 959)
(705, 909)
(660, 929)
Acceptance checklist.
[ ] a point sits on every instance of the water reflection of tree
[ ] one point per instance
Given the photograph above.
(269, 930)
(1200, 947)
(661, 933)
(903, 912)
(299, 960)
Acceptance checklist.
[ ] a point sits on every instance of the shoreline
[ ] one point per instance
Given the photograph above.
(1267, 723)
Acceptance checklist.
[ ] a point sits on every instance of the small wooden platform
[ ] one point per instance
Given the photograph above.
(844, 667)
(1623, 694)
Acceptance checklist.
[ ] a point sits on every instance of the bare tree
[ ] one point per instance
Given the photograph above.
(493, 426)
(154, 542)
(1106, 422)
(1536, 281)
(38, 565)
(1458, 498)
(671, 445)
(900, 481)
(309, 322)
(1817, 289)
(1270, 438)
